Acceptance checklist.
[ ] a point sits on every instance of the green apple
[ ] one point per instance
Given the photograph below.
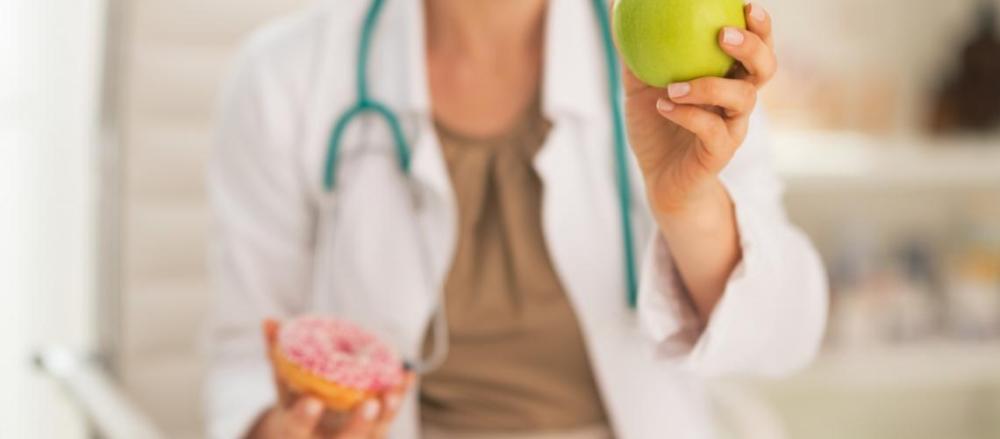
(668, 41)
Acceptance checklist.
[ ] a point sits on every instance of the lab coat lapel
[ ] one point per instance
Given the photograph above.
(393, 235)
(580, 215)
(399, 79)
(582, 222)
(434, 197)
(575, 72)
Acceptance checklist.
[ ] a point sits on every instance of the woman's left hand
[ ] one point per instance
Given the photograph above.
(683, 136)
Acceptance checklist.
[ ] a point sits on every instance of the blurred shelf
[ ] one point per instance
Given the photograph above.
(938, 364)
(929, 390)
(818, 161)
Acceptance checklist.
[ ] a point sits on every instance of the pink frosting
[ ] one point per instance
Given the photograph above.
(340, 352)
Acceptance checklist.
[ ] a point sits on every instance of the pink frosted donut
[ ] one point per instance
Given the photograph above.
(340, 352)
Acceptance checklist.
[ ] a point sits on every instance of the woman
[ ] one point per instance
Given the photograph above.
(509, 216)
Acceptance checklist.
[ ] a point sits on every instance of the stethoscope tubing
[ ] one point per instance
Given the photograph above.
(366, 104)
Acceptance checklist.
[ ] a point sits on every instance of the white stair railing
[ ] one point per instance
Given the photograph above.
(97, 395)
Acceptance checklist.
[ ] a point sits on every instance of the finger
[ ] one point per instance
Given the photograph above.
(399, 392)
(759, 22)
(270, 328)
(301, 420)
(709, 127)
(391, 402)
(390, 406)
(736, 97)
(749, 50)
(362, 422)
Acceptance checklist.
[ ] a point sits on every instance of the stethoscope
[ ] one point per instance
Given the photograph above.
(365, 103)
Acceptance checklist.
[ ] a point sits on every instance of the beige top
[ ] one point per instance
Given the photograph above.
(517, 360)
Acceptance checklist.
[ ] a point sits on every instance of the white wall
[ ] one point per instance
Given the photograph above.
(50, 58)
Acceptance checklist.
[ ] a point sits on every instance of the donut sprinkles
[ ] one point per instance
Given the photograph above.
(340, 352)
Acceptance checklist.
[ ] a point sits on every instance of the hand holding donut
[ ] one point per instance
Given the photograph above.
(300, 416)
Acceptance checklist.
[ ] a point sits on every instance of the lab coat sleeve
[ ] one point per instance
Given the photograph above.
(771, 317)
(261, 252)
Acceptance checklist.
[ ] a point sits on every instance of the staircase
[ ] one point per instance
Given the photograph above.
(172, 57)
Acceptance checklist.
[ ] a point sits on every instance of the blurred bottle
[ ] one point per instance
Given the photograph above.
(882, 298)
(914, 307)
(970, 99)
(973, 283)
(855, 320)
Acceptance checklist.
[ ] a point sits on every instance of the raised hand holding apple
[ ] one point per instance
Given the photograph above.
(685, 134)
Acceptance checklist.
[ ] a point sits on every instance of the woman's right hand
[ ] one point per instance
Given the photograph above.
(302, 420)
(307, 418)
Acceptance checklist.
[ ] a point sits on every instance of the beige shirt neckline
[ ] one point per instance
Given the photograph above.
(518, 361)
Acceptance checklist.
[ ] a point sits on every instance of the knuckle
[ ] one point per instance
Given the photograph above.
(772, 67)
(702, 125)
(760, 59)
(709, 87)
(754, 44)
(349, 433)
(749, 94)
(291, 429)
(718, 134)
(716, 140)
(765, 24)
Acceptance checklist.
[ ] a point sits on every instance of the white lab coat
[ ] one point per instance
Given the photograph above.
(285, 248)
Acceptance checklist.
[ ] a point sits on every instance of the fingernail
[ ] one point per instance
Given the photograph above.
(370, 410)
(732, 37)
(313, 407)
(679, 90)
(664, 105)
(757, 12)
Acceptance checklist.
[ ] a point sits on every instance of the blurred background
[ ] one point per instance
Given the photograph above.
(887, 133)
